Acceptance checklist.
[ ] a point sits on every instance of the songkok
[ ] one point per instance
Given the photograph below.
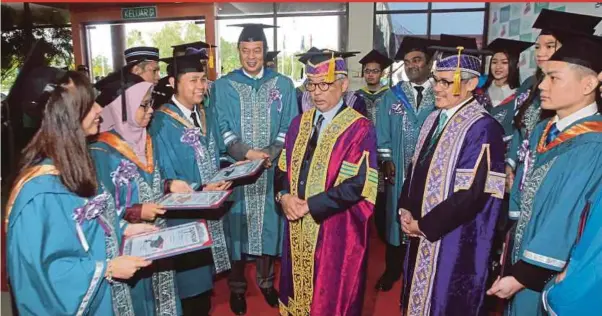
(139, 54)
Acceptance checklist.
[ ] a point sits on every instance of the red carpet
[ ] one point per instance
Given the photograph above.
(375, 303)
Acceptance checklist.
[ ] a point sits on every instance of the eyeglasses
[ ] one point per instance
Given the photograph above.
(146, 105)
(324, 86)
(442, 82)
(372, 71)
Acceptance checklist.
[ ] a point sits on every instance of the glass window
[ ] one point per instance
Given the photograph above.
(446, 23)
(310, 7)
(244, 8)
(390, 29)
(392, 6)
(297, 34)
(228, 41)
(458, 5)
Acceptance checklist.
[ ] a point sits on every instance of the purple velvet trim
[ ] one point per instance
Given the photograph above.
(468, 63)
(322, 69)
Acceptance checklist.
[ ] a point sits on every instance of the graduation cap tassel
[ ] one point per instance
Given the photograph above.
(457, 73)
(331, 67)
(211, 61)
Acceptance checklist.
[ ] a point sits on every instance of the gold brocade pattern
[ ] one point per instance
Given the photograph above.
(304, 232)
(371, 183)
(282, 161)
(25, 177)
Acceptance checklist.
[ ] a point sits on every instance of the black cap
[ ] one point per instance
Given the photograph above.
(552, 22)
(270, 56)
(181, 49)
(375, 56)
(413, 44)
(134, 55)
(253, 32)
(451, 42)
(184, 64)
(303, 59)
(113, 85)
(584, 50)
(511, 47)
(162, 91)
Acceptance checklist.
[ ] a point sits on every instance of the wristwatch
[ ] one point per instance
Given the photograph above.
(279, 196)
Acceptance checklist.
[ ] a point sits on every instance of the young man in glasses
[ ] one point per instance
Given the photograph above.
(327, 185)
(401, 112)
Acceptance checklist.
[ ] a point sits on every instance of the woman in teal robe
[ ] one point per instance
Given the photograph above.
(577, 292)
(552, 199)
(254, 114)
(128, 166)
(63, 231)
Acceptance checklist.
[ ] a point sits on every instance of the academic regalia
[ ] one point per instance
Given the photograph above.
(454, 190)
(58, 246)
(254, 113)
(270, 59)
(579, 292)
(559, 173)
(371, 98)
(399, 120)
(189, 155)
(134, 182)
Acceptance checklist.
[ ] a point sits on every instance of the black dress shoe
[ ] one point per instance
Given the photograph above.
(271, 296)
(238, 304)
(384, 284)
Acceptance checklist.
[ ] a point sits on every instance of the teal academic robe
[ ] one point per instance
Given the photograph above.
(530, 119)
(254, 113)
(554, 193)
(188, 155)
(579, 292)
(133, 183)
(371, 99)
(399, 123)
(58, 245)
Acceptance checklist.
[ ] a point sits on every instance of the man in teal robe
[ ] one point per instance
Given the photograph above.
(373, 68)
(186, 133)
(255, 106)
(400, 114)
(562, 166)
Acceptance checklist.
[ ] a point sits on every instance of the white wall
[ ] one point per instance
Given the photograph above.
(515, 20)
(361, 23)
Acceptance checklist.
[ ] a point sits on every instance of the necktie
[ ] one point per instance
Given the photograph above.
(316, 132)
(437, 133)
(419, 89)
(194, 119)
(552, 134)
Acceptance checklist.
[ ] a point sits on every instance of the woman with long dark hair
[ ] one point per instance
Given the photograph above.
(128, 166)
(63, 237)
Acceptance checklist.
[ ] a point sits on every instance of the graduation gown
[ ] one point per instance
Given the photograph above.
(352, 99)
(132, 183)
(399, 122)
(188, 155)
(579, 292)
(371, 99)
(323, 268)
(530, 119)
(503, 112)
(254, 113)
(58, 245)
(551, 202)
(455, 192)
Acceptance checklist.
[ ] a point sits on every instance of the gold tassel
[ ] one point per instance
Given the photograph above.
(457, 74)
(211, 62)
(331, 67)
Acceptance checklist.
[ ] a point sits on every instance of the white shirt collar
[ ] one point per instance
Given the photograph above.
(330, 114)
(182, 108)
(259, 75)
(589, 110)
(452, 111)
(427, 84)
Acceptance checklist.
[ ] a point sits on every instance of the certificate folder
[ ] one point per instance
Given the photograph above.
(168, 242)
(250, 169)
(198, 200)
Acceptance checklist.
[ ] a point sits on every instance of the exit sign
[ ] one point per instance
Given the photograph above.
(139, 13)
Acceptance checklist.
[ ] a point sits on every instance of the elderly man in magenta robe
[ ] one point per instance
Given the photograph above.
(328, 185)
(452, 197)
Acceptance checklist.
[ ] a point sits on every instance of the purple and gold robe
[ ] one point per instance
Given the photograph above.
(324, 253)
(455, 192)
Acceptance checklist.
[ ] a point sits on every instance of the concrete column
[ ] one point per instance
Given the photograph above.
(119, 43)
(360, 32)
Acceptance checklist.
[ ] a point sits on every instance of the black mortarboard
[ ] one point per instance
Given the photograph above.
(183, 64)
(375, 56)
(326, 62)
(412, 44)
(253, 32)
(134, 55)
(270, 56)
(162, 91)
(584, 50)
(114, 84)
(179, 50)
(303, 59)
(552, 22)
(511, 47)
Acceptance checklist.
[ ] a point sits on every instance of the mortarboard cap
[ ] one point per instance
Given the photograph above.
(134, 55)
(549, 20)
(412, 44)
(162, 91)
(511, 47)
(469, 44)
(270, 56)
(303, 59)
(375, 56)
(183, 64)
(114, 84)
(253, 32)
(326, 63)
(583, 50)
(205, 50)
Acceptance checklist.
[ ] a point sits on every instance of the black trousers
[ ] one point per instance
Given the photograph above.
(394, 256)
(265, 274)
(199, 305)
